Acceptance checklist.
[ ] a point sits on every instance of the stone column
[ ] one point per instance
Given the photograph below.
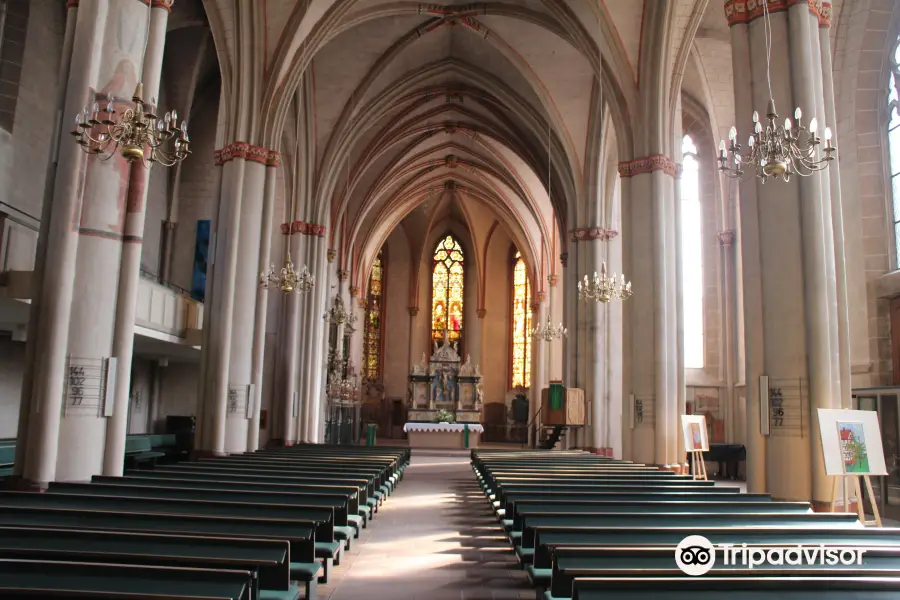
(727, 281)
(837, 212)
(314, 343)
(84, 244)
(23, 447)
(596, 313)
(650, 229)
(680, 389)
(615, 355)
(320, 331)
(220, 299)
(262, 301)
(130, 267)
(796, 265)
(539, 350)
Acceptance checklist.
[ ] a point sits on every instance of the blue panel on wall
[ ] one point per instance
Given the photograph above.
(201, 254)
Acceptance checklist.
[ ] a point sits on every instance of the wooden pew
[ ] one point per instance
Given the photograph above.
(572, 563)
(345, 504)
(267, 560)
(301, 485)
(321, 518)
(548, 540)
(526, 510)
(89, 580)
(304, 567)
(737, 588)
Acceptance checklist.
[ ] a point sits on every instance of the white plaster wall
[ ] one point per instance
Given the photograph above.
(178, 391)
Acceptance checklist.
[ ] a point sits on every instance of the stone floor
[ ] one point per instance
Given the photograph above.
(435, 538)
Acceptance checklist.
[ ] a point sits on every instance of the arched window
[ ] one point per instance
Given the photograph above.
(374, 321)
(521, 324)
(447, 290)
(894, 143)
(691, 256)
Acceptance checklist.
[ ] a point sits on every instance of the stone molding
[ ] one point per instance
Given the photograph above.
(647, 164)
(742, 12)
(245, 151)
(304, 228)
(726, 237)
(587, 234)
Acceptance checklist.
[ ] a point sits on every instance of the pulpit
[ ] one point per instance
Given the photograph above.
(562, 406)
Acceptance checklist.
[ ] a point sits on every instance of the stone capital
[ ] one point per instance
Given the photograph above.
(552, 280)
(742, 12)
(481, 312)
(413, 311)
(564, 259)
(343, 274)
(588, 234)
(647, 164)
(354, 291)
(331, 255)
(726, 237)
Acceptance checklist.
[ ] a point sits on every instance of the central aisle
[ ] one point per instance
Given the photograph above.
(434, 539)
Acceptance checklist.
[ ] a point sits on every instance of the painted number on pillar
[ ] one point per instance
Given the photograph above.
(232, 400)
(76, 385)
(639, 411)
(86, 386)
(776, 401)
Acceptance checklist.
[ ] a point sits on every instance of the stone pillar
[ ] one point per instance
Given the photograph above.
(596, 314)
(539, 350)
(796, 265)
(262, 301)
(727, 281)
(23, 447)
(130, 267)
(84, 244)
(614, 355)
(320, 331)
(290, 361)
(680, 388)
(220, 292)
(650, 230)
(837, 213)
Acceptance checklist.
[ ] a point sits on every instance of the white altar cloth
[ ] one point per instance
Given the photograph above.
(443, 427)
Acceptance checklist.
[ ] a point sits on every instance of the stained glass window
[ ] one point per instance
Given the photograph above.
(447, 290)
(894, 143)
(373, 324)
(691, 256)
(521, 325)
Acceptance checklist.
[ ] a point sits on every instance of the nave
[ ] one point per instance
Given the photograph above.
(377, 523)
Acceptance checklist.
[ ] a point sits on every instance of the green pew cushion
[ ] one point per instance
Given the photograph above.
(524, 554)
(372, 502)
(327, 549)
(7, 455)
(516, 536)
(507, 524)
(290, 594)
(539, 577)
(342, 532)
(546, 595)
(365, 510)
(355, 520)
(6, 471)
(305, 571)
(385, 490)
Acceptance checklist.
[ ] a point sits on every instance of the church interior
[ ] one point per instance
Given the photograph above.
(354, 299)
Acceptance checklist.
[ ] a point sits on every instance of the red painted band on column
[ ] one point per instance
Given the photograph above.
(587, 234)
(245, 151)
(744, 11)
(303, 228)
(648, 164)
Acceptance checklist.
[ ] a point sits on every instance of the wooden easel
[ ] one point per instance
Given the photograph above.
(698, 465)
(846, 481)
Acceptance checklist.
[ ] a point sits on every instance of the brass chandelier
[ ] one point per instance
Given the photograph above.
(287, 279)
(603, 288)
(549, 332)
(136, 133)
(339, 315)
(775, 150)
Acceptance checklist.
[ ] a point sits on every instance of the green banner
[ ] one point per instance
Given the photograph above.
(556, 396)
(370, 434)
(465, 436)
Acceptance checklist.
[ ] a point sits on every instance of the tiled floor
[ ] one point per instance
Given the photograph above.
(435, 538)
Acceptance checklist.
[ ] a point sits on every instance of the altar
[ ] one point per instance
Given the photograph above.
(445, 400)
(444, 435)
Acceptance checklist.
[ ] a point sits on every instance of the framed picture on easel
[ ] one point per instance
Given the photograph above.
(851, 447)
(696, 442)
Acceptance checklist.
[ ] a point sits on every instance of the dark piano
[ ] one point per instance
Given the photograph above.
(729, 457)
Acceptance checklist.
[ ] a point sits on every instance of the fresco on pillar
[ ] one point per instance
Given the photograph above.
(106, 182)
